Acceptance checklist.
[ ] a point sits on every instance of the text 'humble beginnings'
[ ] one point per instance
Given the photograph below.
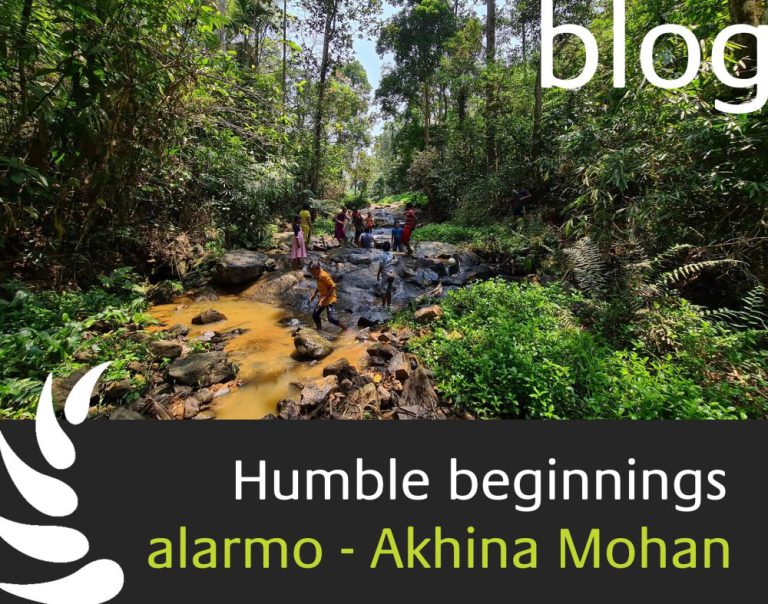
(528, 488)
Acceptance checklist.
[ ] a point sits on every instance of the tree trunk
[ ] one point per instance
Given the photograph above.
(321, 85)
(490, 92)
(223, 7)
(427, 114)
(749, 12)
(22, 52)
(537, 112)
(285, 57)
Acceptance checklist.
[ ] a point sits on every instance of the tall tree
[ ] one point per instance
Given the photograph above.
(417, 36)
(490, 90)
(334, 19)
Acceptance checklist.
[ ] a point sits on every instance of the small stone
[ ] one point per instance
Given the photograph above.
(205, 396)
(206, 414)
(287, 410)
(191, 407)
(166, 349)
(178, 330)
(208, 316)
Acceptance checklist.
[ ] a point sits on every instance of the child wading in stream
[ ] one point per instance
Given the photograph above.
(326, 295)
(386, 275)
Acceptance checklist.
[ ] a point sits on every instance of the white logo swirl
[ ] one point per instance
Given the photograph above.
(96, 582)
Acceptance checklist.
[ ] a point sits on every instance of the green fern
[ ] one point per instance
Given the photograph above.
(752, 315)
(590, 268)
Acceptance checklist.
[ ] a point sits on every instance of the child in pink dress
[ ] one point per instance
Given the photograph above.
(299, 247)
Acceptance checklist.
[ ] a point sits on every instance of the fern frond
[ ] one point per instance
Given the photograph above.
(589, 266)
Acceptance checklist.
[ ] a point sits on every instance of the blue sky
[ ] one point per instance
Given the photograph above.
(365, 52)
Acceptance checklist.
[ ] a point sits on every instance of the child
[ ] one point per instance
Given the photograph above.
(299, 245)
(369, 223)
(366, 240)
(410, 226)
(340, 221)
(387, 275)
(326, 296)
(306, 223)
(397, 235)
(359, 223)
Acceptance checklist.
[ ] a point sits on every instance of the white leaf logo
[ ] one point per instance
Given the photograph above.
(96, 582)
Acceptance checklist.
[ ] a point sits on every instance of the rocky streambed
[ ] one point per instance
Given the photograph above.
(244, 347)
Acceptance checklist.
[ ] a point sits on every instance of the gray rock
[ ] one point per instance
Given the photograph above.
(178, 330)
(310, 345)
(243, 266)
(381, 351)
(316, 391)
(191, 407)
(336, 368)
(202, 369)
(287, 410)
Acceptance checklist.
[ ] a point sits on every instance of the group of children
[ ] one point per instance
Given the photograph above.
(363, 227)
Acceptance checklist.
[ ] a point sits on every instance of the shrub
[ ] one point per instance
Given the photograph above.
(43, 331)
(516, 350)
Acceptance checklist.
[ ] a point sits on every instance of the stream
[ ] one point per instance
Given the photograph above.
(263, 353)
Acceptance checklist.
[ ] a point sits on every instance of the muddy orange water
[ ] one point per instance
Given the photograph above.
(263, 353)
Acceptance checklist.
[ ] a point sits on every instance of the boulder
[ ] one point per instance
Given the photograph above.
(310, 345)
(166, 349)
(401, 366)
(428, 313)
(275, 288)
(243, 266)
(419, 391)
(202, 369)
(208, 316)
(336, 368)
(316, 391)
(384, 352)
